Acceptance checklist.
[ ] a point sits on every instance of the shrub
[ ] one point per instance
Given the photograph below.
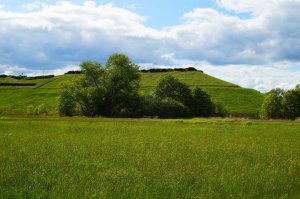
(39, 77)
(42, 109)
(66, 101)
(31, 110)
(171, 87)
(219, 110)
(202, 104)
(74, 72)
(165, 108)
(271, 107)
(291, 104)
(170, 108)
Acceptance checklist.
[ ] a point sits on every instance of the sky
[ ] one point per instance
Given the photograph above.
(247, 42)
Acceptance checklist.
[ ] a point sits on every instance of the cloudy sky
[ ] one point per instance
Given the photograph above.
(252, 43)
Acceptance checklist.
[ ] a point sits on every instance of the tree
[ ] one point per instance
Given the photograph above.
(121, 80)
(271, 107)
(87, 93)
(202, 104)
(278, 91)
(109, 91)
(291, 104)
(66, 100)
(171, 87)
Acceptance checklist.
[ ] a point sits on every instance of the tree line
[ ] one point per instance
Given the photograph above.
(280, 104)
(113, 91)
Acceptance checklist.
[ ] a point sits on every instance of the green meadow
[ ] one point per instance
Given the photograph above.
(54, 157)
(236, 100)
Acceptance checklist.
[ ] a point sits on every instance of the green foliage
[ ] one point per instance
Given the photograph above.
(112, 91)
(86, 92)
(141, 158)
(291, 104)
(171, 87)
(193, 103)
(297, 88)
(31, 110)
(281, 104)
(121, 81)
(66, 101)
(42, 109)
(219, 109)
(202, 104)
(163, 108)
(278, 92)
(272, 107)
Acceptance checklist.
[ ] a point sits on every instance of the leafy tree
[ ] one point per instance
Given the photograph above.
(87, 93)
(171, 87)
(291, 104)
(121, 81)
(110, 91)
(271, 107)
(66, 100)
(202, 104)
(278, 91)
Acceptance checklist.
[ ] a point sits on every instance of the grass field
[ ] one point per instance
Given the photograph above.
(237, 100)
(143, 158)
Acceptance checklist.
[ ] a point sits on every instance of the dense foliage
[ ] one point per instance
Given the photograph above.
(112, 91)
(161, 70)
(109, 91)
(280, 104)
(19, 77)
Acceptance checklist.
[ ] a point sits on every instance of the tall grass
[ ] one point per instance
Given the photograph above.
(126, 158)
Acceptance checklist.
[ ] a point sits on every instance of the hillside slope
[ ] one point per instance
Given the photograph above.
(236, 100)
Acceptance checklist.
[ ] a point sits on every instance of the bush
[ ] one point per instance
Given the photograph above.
(42, 109)
(66, 101)
(165, 108)
(191, 69)
(31, 110)
(74, 72)
(40, 77)
(171, 87)
(219, 110)
(291, 104)
(202, 104)
(170, 108)
(271, 107)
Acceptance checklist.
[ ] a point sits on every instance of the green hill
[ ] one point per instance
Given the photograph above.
(17, 95)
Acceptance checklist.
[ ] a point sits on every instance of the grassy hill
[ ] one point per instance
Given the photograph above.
(17, 95)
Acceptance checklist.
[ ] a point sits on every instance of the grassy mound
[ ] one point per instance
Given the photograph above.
(237, 100)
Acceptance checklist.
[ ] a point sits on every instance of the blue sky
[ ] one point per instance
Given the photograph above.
(247, 42)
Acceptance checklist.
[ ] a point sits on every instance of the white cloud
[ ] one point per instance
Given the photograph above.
(16, 70)
(257, 77)
(36, 5)
(48, 36)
